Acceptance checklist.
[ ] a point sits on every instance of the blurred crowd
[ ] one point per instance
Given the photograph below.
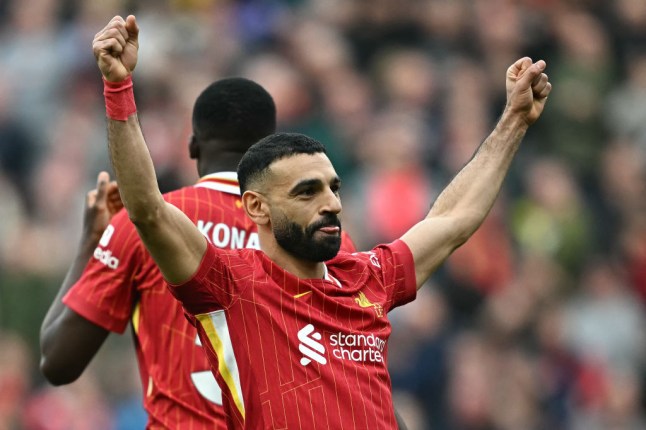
(535, 323)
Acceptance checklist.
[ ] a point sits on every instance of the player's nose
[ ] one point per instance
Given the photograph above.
(332, 203)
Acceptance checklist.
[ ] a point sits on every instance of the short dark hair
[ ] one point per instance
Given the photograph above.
(236, 110)
(256, 160)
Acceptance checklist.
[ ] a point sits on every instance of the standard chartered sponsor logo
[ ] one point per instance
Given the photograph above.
(358, 347)
(311, 346)
(343, 346)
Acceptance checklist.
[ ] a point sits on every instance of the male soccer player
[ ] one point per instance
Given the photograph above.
(296, 332)
(121, 283)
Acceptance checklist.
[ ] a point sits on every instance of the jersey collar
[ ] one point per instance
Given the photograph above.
(329, 277)
(227, 182)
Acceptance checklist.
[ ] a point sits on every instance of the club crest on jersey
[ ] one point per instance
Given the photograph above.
(374, 260)
(363, 301)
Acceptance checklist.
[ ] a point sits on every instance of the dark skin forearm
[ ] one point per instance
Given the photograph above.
(68, 342)
(83, 255)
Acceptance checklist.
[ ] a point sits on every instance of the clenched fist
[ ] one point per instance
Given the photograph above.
(115, 48)
(527, 88)
(101, 204)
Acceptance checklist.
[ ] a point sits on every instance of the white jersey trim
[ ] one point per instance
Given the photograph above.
(217, 186)
(328, 277)
(217, 330)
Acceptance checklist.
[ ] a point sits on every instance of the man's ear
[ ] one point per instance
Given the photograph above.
(193, 148)
(256, 207)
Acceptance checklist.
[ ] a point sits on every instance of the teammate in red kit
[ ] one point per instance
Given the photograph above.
(121, 283)
(296, 332)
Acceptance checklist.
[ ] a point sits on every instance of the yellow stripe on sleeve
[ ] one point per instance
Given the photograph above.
(216, 329)
(135, 317)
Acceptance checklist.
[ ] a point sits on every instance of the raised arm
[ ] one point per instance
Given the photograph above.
(465, 202)
(173, 241)
(68, 342)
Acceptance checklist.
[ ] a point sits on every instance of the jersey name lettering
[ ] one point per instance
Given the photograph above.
(225, 236)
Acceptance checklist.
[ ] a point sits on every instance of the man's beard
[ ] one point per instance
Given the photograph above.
(302, 244)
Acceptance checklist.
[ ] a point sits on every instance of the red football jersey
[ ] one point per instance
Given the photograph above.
(294, 353)
(122, 284)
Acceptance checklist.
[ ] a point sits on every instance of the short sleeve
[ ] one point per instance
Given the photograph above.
(393, 263)
(211, 288)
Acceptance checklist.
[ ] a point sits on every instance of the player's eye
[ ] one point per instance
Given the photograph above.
(308, 192)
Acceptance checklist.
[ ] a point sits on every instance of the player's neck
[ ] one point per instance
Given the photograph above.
(226, 162)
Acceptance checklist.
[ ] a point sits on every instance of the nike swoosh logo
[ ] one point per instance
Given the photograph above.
(296, 296)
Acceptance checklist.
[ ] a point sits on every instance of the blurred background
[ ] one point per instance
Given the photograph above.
(536, 323)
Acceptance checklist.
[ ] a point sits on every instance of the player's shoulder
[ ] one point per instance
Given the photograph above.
(239, 260)
(196, 196)
(180, 193)
(121, 220)
(188, 199)
(119, 238)
(371, 258)
(251, 255)
(346, 259)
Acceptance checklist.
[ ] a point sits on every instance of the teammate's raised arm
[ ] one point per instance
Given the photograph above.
(67, 341)
(465, 202)
(173, 241)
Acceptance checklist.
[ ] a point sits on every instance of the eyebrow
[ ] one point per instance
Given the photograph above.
(307, 183)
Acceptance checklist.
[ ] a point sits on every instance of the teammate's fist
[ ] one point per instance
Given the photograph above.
(101, 204)
(115, 48)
